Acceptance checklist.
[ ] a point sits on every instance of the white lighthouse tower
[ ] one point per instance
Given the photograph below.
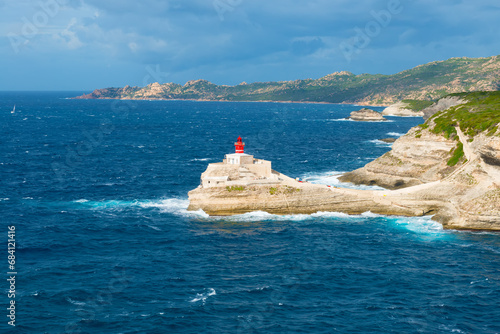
(239, 169)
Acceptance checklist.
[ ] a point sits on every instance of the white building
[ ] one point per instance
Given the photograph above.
(239, 169)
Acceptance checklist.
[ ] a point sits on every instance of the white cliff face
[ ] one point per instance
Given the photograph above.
(401, 109)
(456, 179)
(442, 104)
(411, 161)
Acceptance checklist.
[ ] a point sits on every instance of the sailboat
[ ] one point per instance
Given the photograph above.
(13, 110)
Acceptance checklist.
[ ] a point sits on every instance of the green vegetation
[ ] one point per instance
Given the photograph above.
(456, 155)
(283, 190)
(480, 114)
(417, 105)
(235, 188)
(430, 81)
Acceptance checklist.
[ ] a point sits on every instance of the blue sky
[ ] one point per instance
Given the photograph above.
(88, 44)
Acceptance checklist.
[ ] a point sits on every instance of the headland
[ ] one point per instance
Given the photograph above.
(448, 167)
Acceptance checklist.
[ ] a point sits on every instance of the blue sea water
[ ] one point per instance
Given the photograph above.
(97, 192)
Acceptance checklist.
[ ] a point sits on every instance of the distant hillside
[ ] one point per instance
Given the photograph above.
(425, 82)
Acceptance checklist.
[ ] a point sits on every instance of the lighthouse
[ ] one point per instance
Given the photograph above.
(239, 169)
(239, 157)
(240, 146)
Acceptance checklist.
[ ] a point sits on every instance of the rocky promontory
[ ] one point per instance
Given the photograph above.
(407, 108)
(448, 167)
(366, 115)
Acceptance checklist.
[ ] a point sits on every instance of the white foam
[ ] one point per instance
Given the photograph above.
(421, 225)
(4, 199)
(204, 159)
(258, 216)
(174, 206)
(395, 134)
(81, 201)
(351, 120)
(203, 296)
(332, 179)
(380, 142)
(74, 302)
(369, 214)
(323, 214)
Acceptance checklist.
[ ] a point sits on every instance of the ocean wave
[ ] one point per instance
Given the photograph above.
(204, 159)
(380, 142)
(341, 120)
(395, 134)
(332, 179)
(203, 296)
(74, 302)
(420, 225)
(259, 216)
(178, 206)
(81, 201)
(351, 120)
(175, 206)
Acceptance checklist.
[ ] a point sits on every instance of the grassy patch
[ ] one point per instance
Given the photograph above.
(235, 188)
(480, 114)
(283, 190)
(417, 105)
(456, 155)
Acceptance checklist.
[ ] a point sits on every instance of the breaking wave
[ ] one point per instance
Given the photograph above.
(332, 179)
(395, 134)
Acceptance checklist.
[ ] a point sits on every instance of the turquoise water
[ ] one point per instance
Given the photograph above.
(97, 191)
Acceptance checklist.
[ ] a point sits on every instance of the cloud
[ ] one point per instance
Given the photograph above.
(248, 41)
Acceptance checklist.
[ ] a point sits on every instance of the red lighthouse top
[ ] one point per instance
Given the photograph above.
(240, 146)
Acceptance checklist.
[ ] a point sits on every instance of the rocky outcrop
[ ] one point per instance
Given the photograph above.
(490, 152)
(441, 168)
(303, 198)
(366, 115)
(465, 196)
(401, 109)
(416, 158)
(442, 104)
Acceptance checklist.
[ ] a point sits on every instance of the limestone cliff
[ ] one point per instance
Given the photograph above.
(401, 109)
(458, 147)
(448, 167)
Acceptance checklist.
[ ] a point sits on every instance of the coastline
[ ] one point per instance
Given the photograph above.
(453, 176)
(357, 104)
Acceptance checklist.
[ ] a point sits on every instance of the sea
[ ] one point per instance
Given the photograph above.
(96, 192)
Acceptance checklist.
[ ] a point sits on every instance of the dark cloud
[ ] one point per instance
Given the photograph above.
(245, 40)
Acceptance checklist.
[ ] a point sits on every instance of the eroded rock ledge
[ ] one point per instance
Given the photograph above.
(435, 169)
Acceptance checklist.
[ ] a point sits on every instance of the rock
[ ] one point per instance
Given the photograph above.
(442, 104)
(411, 161)
(388, 140)
(366, 115)
(416, 174)
(401, 109)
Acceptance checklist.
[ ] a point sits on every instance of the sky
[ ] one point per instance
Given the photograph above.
(83, 45)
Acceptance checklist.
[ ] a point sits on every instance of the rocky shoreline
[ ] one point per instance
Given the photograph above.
(455, 178)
